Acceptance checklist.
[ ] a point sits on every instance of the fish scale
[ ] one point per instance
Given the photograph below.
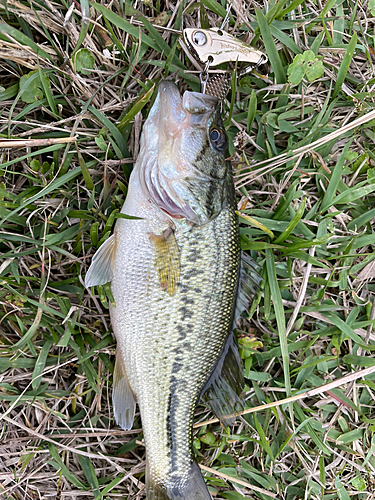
(174, 271)
(209, 258)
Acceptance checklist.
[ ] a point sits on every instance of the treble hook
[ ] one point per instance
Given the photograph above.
(204, 77)
(226, 18)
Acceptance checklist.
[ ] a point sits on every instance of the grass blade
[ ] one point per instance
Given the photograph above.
(117, 139)
(292, 224)
(66, 472)
(55, 184)
(280, 316)
(47, 92)
(5, 30)
(40, 364)
(136, 108)
(251, 112)
(344, 67)
(124, 25)
(335, 179)
(352, 194)
(270, 46)
(85, 23)
(216, 7)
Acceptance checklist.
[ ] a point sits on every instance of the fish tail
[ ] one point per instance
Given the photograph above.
(191, 487)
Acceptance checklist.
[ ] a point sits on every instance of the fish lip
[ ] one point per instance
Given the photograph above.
(171, 101)
(171, 112)
(169, 86)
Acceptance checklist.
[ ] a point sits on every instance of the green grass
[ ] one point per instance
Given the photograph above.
(303, 160)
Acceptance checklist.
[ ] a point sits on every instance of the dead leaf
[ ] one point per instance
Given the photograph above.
(367, 273)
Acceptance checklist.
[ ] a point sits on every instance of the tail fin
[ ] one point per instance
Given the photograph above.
(191, 487)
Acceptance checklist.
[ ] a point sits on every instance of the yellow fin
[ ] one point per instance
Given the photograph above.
(166, 260)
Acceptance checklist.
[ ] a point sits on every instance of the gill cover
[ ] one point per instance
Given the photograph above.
(181, 170)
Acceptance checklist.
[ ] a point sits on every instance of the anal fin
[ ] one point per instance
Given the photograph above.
(100, 270)
(166, 260)
(123, 398)
(223, 390)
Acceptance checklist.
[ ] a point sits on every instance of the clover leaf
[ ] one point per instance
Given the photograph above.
(306, 64)
(84, 61)
(314, 70)
(32, 87)
(359, 483)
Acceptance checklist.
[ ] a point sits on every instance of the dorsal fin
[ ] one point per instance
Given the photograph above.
(100, 270)
(223, 390)
(249, 284)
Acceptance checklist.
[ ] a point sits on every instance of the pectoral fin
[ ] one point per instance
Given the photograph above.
(223, 390)
(100, 271)
(123, 398)
(166, 260)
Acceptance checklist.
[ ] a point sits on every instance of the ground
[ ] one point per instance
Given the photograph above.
(76, 83)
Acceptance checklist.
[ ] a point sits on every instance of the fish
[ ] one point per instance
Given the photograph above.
(175, 271)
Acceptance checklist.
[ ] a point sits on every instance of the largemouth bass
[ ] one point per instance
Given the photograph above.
(174, 276)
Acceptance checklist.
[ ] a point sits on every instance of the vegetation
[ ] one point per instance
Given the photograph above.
(77, 80)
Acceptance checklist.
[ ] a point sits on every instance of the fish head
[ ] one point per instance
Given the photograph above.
(181, 164)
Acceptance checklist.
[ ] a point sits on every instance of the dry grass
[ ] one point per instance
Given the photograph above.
(304, 166)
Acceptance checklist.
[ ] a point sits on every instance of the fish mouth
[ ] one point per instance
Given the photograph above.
(177, 112)
(169, 117)
(170, 109)
(172, 136)
(170, 97)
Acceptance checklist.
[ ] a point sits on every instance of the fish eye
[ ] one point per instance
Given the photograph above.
(218, 139)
